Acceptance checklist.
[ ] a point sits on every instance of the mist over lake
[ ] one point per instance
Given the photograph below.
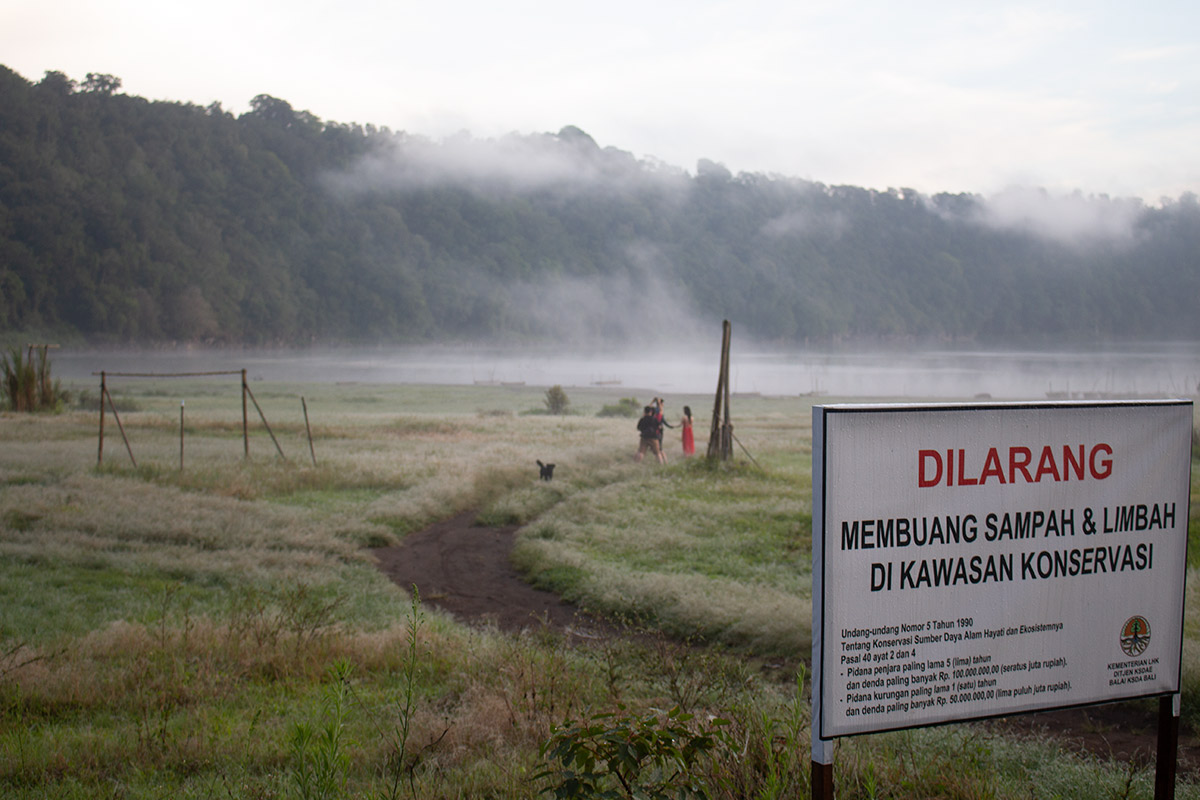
(1167, 370)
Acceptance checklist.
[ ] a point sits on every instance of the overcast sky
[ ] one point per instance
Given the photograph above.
(1100, 97)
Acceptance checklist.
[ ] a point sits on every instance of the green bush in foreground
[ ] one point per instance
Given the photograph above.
(653, 755)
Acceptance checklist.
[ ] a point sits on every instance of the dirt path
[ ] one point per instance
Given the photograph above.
(464, 569)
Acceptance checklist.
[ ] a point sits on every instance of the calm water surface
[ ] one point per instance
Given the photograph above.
(1161, 371)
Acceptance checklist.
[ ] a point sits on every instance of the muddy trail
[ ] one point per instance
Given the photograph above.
(464, 569)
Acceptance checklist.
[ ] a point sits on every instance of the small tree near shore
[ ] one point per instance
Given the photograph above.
(557, 400)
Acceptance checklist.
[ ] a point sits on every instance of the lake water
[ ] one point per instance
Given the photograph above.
(1171, 370)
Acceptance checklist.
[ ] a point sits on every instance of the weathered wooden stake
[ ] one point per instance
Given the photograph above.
(245, 416)
(106, 397)
(103, 392)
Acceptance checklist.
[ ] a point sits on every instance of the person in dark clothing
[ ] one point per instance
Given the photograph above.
(662, 422)
(649, 432)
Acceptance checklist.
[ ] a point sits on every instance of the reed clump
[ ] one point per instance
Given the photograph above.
(26, 380)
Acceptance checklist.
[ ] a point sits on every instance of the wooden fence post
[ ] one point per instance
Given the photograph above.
(106, 398)
(245, 416)
(103, 394)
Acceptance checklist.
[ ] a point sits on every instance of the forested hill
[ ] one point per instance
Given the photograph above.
(128, 220)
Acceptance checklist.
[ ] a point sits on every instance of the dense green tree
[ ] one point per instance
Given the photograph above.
(100, 83)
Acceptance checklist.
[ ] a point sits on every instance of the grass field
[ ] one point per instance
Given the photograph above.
(220, 631)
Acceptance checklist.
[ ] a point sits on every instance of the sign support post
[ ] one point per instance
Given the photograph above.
(822, 779)
(1167, 758)
(822, 749)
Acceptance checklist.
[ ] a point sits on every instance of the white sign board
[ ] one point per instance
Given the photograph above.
(979, 560)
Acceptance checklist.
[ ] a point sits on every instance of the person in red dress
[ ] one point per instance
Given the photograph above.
(689, 440)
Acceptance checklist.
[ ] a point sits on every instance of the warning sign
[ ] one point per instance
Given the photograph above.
(981, 560)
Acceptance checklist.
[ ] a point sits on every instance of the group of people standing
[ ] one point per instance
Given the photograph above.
(650, 431)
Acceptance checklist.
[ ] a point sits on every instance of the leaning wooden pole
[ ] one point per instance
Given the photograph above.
(263, 417)
(120, 426)
(308, 428)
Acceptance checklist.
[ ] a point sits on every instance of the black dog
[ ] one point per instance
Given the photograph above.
(547, 470)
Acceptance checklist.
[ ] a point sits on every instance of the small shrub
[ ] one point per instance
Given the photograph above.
(625, 407)
(557, 400)
(626, 755)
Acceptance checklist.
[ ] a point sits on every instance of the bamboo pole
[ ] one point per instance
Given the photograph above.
(181, 435)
